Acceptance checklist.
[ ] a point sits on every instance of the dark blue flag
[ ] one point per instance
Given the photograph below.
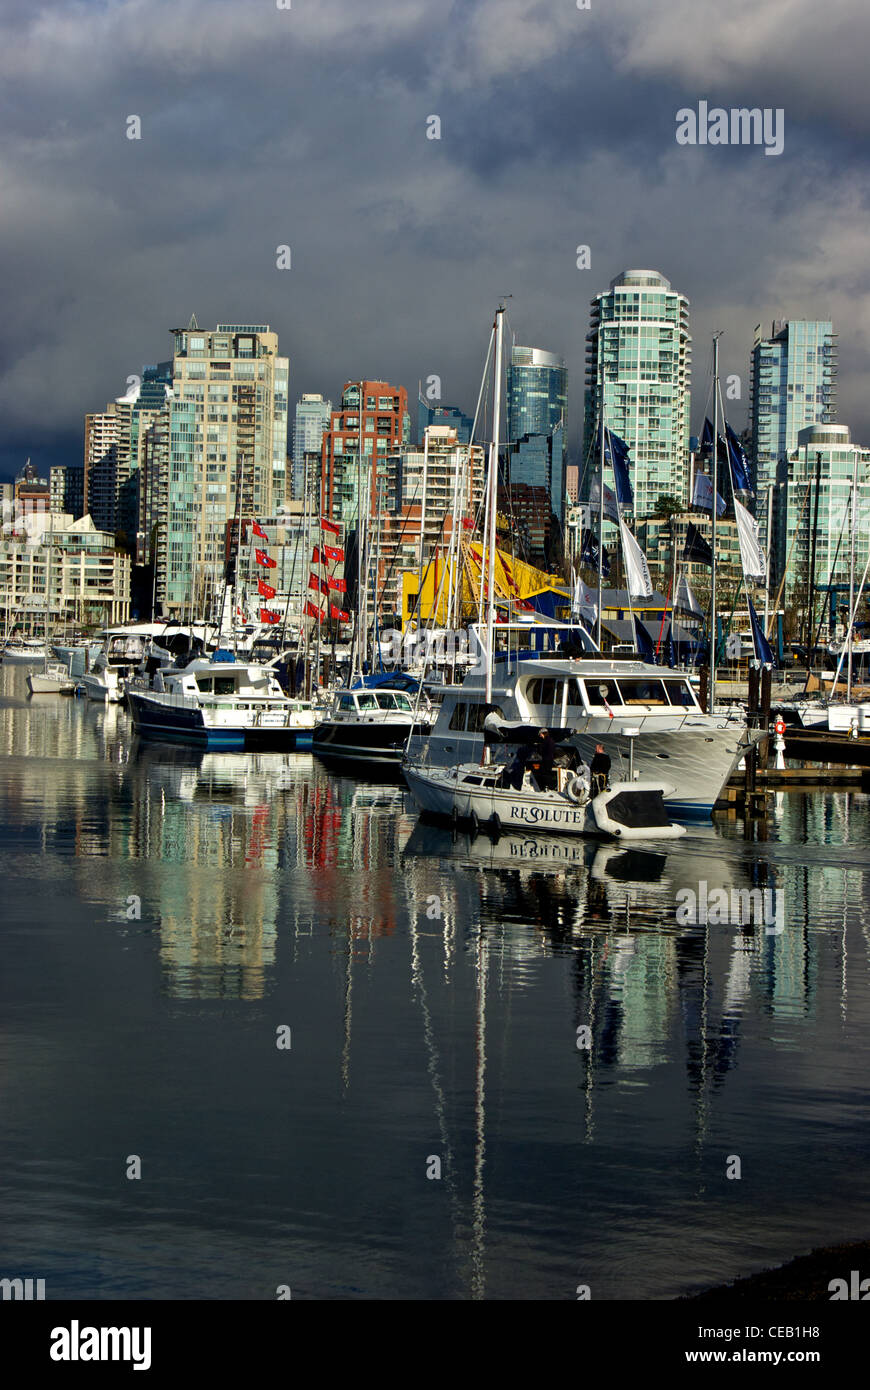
(589, 554)
(763, 649)
(740, 478)
(644, 642)
(670, 654)
(616, 454)
(696, 548)
(707, 442)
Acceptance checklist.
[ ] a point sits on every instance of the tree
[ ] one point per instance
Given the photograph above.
(666, 505)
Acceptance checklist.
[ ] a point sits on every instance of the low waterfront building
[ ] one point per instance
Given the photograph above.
(68, 563)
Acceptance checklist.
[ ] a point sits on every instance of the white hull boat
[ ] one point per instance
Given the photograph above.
(478, 795)
(26, 651)
(222, 705)
(53, 679)
(647, 717)
(105, 685)
(848, 718)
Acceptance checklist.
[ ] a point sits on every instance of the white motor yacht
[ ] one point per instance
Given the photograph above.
(222, 704)
(643, 714)
(123, 650)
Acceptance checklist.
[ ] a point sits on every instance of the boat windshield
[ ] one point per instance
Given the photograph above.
(616, 694)
(125, 648)
(390, 699)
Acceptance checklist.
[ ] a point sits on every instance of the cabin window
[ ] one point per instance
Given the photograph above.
(457, 718)
(385, 700)
(367, 702)
(545, 691)
(680, 693)
(643, 692)
(205, 684)
(603, 692)
(477, 714)
(346, 704)
(402, 702)
(224, 685)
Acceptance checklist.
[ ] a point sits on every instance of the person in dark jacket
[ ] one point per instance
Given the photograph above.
(600, 769)
(542, 760)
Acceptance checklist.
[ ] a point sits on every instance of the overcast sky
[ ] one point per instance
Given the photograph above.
(307, 127)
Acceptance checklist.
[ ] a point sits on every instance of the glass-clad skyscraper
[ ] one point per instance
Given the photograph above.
(791, 387)
(537, 392)
(639, 355)
(312, 417)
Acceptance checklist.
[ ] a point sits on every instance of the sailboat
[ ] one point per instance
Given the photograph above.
(520, 793)
(54, 678)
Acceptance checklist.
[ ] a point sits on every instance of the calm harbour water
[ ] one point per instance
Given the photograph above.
(433, 990)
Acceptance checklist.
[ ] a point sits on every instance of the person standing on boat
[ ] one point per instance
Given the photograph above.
(543, 758)
(600, 769)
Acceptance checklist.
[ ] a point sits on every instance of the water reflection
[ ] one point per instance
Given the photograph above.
(440, 986)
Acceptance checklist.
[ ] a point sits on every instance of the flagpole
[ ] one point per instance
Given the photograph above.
(713, 509)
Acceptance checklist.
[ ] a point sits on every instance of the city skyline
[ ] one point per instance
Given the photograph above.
(555, 131)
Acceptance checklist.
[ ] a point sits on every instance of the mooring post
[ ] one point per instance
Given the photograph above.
(751, 759)
(764, 746)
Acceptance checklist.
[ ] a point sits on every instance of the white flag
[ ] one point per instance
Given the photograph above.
(703, 494)
(636, 567)
(585, 602)
(685, 600)
(611, 508)
(751, 554)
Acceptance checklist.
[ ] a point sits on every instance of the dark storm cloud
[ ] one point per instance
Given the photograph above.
(308, 127)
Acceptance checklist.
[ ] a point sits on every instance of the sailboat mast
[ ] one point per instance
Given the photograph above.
(712, 693)
(493, 495)
(851, 582)
(600, 506)
(423, 524)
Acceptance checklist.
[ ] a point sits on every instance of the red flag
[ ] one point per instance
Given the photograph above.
(265, 560)
(312, 612)
(258, 531)
(265, 590)
(468, 523)
(332, 552)
(319, 584)
(267, 616)
(338, 585)
(339, 613)
(329, 526)
(315, 559)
